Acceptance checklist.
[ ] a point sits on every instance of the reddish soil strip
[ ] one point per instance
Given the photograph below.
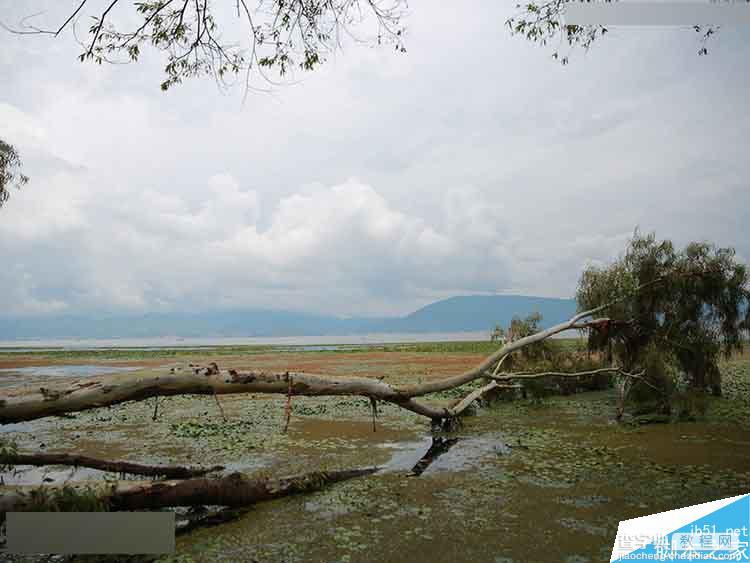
(364, 364)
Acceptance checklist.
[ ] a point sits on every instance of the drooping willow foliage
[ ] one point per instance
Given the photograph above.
(10, 171)
(691, 307)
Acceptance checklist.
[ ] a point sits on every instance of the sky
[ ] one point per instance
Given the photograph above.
(380, 182)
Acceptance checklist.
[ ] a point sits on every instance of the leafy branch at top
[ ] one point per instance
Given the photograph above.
(275, 34)
(543, 22)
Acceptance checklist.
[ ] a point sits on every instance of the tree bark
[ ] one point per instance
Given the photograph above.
(235, 490)
(168, 471)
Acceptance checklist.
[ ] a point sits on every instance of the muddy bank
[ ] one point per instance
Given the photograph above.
(395, 367)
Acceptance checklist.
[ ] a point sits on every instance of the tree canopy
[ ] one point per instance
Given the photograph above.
(689, 306)
(272, 34)
(233, 38)
(10, 171)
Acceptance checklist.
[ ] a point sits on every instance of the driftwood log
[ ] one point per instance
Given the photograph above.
(234, 490)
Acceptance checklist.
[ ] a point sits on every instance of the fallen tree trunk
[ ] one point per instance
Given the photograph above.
(97, 392)
(168, 471)
(235, 490)
(110, 390)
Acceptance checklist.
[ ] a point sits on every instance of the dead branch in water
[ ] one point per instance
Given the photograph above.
(91, 393)
(168, 471)
(235, 490)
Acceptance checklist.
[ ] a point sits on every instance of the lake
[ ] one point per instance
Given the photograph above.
(332, 342)
(175, 342)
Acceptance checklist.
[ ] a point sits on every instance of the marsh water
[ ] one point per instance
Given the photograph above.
(524, 481)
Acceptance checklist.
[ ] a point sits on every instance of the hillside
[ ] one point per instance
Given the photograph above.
(456, 314)
(482, 312)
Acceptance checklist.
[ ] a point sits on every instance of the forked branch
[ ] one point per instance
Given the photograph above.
(92, 393)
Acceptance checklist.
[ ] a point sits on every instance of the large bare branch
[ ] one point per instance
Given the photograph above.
(91, 393)
(479, 371)
(84, 394)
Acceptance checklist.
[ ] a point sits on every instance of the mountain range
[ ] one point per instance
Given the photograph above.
(455, 314)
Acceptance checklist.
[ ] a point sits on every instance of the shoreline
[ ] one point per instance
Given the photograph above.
(202, 343)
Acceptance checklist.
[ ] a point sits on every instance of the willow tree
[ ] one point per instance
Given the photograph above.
(10, 171)
(691, 308)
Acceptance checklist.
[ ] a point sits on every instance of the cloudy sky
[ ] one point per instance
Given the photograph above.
(379, 183)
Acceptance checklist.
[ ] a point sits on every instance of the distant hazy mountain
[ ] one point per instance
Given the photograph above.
(456, 314)
(483, 312)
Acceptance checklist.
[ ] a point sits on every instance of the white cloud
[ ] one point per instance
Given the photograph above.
(145, 249)
(24, 129)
